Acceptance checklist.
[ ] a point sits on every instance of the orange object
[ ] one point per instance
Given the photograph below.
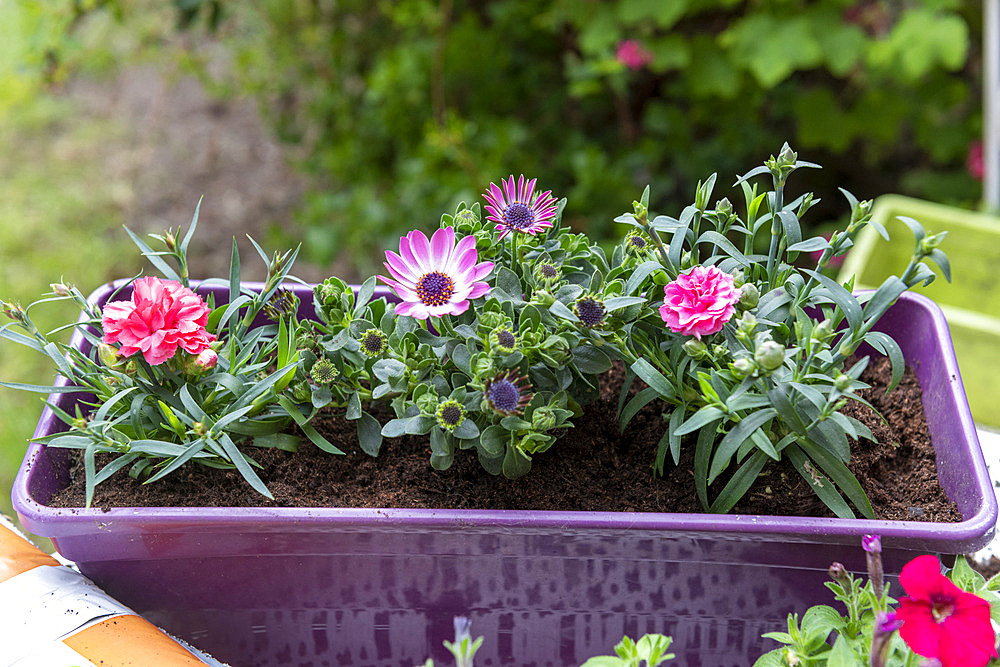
(58, 617)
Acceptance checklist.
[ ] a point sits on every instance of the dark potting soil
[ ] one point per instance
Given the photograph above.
(591, 467)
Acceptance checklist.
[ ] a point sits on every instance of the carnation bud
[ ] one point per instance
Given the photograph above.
(930, 243)
(842, 383)
(61, 289)
(747, 324)
(108, 355)
(739, 278)
(823, 331)
(743, 367)
(13, 310)
(80, 423)
(169, 240)
(199, 428)
(301, 393)
(724, 207)
(770, 355)
(543, 418)
(206, 360)
(749, 296)
(696, 349)
(860, 214)
(848, 348)
(787, 157)
(719, 350)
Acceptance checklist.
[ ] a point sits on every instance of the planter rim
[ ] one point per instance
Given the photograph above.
(39, 518)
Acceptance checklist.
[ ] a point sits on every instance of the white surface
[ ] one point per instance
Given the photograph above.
(990, 442)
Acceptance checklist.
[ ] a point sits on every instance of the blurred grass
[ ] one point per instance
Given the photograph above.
(58, 220)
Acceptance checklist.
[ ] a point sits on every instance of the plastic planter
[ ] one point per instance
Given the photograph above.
(379, 587)
(971, 303)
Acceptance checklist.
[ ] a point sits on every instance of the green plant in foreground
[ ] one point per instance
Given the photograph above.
(945, 618)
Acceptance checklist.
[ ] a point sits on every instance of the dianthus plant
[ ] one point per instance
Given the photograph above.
(165, 377)
(753, 356)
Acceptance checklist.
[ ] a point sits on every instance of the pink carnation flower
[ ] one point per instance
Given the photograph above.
(699, 302)
(974, 160)
(162, 316)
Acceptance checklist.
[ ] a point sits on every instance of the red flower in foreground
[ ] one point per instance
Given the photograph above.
(942, 621)
(161, 316)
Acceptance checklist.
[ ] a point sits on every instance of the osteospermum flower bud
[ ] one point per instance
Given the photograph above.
(450, 414)
(547, 272)
(543, 418)
(507, 394)
(770, 355)
(323, 372)
(590, 310)
(374, 342)
(503, 340)
(636, 242)
(466, 218)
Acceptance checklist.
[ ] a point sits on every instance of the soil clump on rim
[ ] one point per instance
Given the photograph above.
(593, 467)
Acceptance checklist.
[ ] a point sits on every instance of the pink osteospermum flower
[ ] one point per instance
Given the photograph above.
(435, 277)
(698, 303)
(516, 208)
(162, 316)
(942, 621)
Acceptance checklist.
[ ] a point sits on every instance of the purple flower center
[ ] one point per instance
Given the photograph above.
(638, 242)
(506, 339)
(549, 271)
(435, 288)
(590, 312)
(451, 415)
(373, 342)
(518, 216)
(504, 395)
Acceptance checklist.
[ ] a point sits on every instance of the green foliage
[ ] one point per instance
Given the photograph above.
(408, 106)
(826, 638)
(649, 651)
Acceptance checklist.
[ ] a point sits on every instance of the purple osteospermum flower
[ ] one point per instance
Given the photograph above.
(436, 277)
(517, 209)
(505, 393)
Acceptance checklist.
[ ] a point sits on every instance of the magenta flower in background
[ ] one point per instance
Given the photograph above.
(974, 160)
(871, 544)
(436, 277)
(516, 208)
(699, 302)
(942, 621)
(633, 54)
(162, 316)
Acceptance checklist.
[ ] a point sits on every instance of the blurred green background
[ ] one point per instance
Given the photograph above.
(343, 124)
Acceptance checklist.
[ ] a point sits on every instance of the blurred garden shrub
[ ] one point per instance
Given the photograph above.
(403, 107)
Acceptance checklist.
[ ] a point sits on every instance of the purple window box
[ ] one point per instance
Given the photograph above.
(380, 586)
